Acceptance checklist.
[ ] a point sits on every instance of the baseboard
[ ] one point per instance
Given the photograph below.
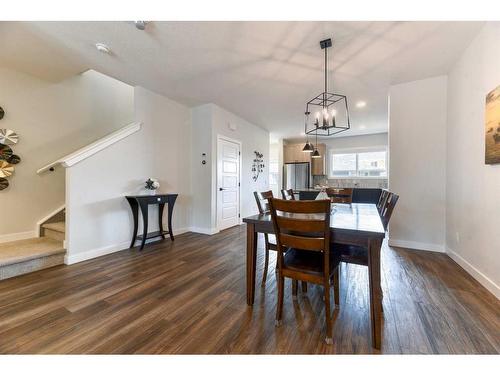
(417, 245)
(475, 273)
(209, 231)
(95, 253)
(17, 236)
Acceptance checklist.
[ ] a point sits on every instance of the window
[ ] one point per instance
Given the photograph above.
(358, 164)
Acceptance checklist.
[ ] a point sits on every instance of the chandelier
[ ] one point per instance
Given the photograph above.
(327, 113)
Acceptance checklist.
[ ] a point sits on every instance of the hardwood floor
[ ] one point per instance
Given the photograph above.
(189, 297)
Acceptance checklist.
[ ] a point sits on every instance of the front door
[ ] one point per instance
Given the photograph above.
(228, 184)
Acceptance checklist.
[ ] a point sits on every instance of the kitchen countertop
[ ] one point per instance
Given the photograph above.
(333, 187)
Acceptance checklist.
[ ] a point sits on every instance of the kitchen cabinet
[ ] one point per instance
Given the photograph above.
(318, 165)
(292, 153)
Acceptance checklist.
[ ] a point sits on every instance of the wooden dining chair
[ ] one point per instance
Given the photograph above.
(262, 199)
(340, 195)
(303, 227)
(359, 254)
(355, 254)
(382, 199)
(386, 211)
(287, 194)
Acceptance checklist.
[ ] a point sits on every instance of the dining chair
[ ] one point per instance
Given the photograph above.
(386, 211)
(303, 227)
(340, 195)
(287, 194)
(382, 199)
(263, 205)
(356, 254)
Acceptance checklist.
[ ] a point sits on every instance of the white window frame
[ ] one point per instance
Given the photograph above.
(356, 150)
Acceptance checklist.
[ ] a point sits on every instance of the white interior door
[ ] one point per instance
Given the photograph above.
(228, 184)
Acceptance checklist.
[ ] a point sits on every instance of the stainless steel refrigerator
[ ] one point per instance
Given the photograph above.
(296, 176)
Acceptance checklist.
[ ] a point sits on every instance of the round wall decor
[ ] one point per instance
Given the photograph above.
(2, 113)
(6, 169)
(7, 157)
(14, 159)
(5, 152)
(8, 137)
(4, 183)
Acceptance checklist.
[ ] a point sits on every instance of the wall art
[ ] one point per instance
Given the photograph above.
(258, 165)
(8, 137)
(492, 127)
(7, 157)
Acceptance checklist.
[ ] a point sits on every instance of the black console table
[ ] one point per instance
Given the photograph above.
(143, 201)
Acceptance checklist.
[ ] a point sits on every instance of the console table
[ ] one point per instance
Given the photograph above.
(143, 201)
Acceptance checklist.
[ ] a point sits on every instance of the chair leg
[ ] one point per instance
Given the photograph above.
(279, 304)
(329, 339)
(266, 265)
(295, 284)
(336, 287)
(304, 286)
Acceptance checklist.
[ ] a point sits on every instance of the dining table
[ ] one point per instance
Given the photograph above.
(350, 224)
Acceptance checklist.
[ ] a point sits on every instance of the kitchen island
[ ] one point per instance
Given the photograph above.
(359, 195)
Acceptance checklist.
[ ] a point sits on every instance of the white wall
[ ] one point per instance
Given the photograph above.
(52, 120)
(213, 120)
(99, 218)
(473, 188)
(201, 174)
(275, 156)
(356, 141)
(417, 163)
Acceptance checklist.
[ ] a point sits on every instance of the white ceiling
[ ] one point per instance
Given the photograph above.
(263, 71)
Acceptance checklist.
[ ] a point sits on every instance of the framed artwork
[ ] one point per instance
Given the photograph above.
(492, 127)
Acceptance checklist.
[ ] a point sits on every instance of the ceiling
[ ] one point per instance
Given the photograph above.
(263, 71)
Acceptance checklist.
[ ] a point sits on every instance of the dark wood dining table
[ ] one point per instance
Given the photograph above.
(350, 224)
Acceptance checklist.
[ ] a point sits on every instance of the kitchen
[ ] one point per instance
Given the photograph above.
(358, 162)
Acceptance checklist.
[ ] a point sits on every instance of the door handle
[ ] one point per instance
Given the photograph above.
(220, 189)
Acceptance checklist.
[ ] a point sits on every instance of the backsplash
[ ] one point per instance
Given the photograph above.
(351, 183)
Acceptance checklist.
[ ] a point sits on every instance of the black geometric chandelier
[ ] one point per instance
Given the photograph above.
(326, 114)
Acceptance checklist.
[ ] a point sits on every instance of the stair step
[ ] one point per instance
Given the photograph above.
(56, 231)
(59, 226)
(24, 256)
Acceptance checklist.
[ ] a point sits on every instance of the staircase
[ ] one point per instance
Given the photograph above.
(24, 256)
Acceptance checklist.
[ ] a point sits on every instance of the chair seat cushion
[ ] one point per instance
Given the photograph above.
(352, 254)
(308, 261)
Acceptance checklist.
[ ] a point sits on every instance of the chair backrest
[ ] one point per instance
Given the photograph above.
(262, 199)
(288, 194)
(386, 212)
(303, 225)
(382, 200)
(340, 195)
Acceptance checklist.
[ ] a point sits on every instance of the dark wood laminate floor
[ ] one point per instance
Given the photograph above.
(189, 297)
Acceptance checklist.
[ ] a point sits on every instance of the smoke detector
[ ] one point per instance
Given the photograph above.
(101, 47)
(141, 25)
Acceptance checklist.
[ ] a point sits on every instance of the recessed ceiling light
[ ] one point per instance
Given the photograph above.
(141, 25)
(101, 47)
(361, 104)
